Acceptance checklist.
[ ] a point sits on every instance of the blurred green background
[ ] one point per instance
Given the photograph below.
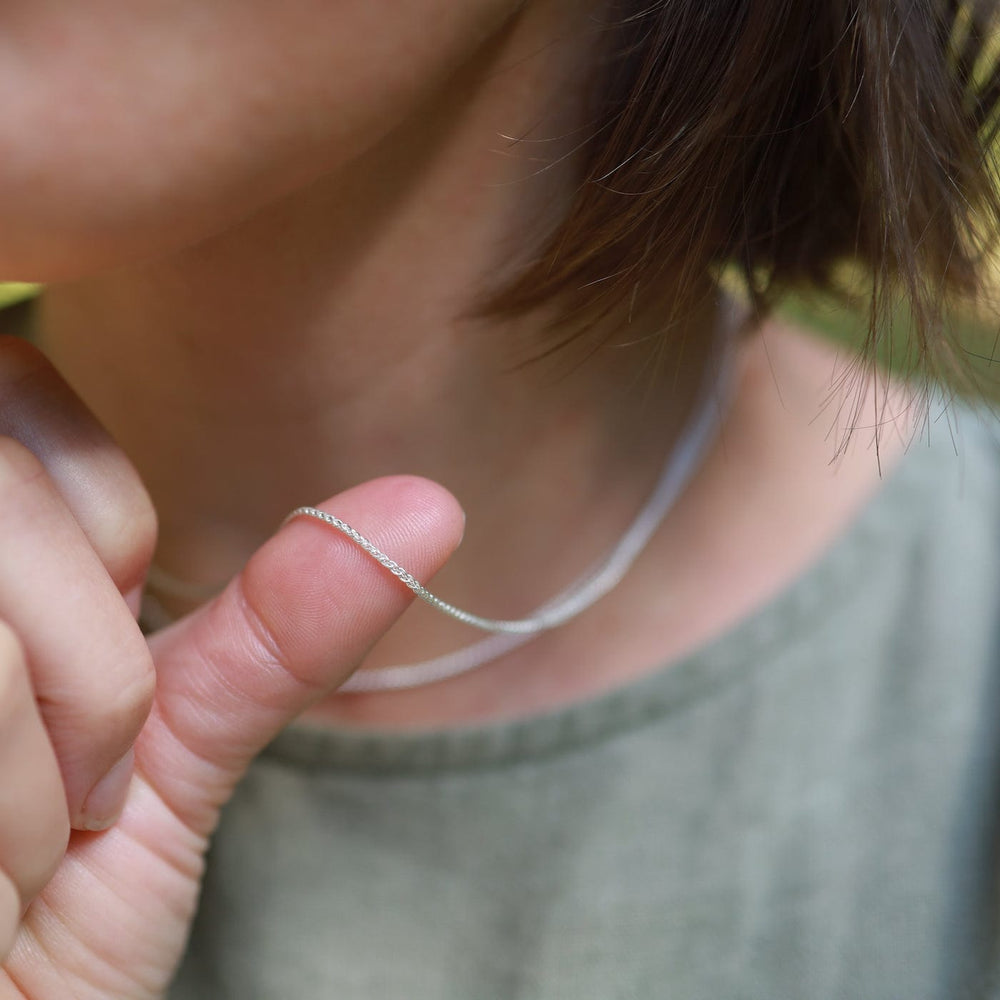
(15, 291)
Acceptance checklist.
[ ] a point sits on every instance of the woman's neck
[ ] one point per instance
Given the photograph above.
(325, 341)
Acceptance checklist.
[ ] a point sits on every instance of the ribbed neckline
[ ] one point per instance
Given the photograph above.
(735, 656)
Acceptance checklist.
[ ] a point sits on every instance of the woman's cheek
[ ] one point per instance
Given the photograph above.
(128, 131)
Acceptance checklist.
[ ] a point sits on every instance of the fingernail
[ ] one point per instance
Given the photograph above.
(134, 600)
(107, 798)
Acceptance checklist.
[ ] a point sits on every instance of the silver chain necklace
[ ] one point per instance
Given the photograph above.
(685, 458)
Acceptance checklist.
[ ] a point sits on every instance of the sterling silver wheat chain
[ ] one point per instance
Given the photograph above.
(683, 462)
(524, 626)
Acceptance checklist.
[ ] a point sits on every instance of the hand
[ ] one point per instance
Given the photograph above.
(75, 686)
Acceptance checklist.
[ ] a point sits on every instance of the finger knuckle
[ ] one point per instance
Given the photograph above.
(40, 413)
(34, 828)
(93, 721)
(118, 709)
(126, 533)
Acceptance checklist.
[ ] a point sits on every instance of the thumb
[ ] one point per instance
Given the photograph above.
(288, 629)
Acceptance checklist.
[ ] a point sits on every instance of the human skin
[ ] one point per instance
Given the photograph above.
(128, 130)
(263, 229)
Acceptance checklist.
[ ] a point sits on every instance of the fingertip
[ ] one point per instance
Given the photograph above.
(403, 514)
(437, 514)
(133, 598)
(107, 798)
(315, 589)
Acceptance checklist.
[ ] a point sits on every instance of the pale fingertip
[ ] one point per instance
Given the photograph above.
(134, 600)
(423, 509)
(106, 800)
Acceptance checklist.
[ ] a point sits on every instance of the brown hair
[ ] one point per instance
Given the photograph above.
(783, 137)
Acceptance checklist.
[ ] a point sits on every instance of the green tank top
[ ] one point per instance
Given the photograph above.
(807, 807)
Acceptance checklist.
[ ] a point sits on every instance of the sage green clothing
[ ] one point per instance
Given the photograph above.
(808, 807)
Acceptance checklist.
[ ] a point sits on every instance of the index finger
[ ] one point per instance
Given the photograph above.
(95, 479)
(89, 665)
